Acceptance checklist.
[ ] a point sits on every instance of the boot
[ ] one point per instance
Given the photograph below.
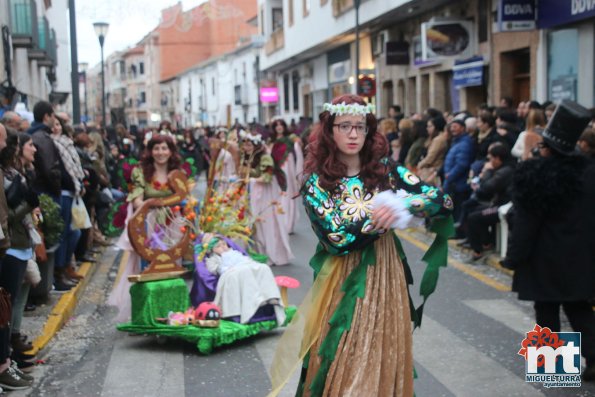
(72, 274)
(61, 282)
(19, 344)
(99, 238)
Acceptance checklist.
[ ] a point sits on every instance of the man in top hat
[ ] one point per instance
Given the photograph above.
(552, 246)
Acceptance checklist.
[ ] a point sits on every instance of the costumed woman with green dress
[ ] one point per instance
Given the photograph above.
(353, 332)
(149, 181)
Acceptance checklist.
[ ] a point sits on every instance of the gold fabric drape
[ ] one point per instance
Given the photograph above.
(374, 357)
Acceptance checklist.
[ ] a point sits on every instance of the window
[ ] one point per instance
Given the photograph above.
(143, 97)
(122, 68)
(277, 18)
(286, 92)
(562, 65)
(306, 4)
(295, 81)
(290, 10)
(141, 68)
(213, 86)
(237, 90)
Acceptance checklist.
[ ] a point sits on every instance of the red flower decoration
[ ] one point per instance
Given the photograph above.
(120, 216)
(127, 169)
(187, 169)
(540, 337)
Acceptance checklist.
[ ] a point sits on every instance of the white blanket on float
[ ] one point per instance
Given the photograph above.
(244, 285)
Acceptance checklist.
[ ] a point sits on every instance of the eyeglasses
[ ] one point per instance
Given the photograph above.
(346, 128)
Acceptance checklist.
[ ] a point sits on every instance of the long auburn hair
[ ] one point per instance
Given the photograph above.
(147, 161)
(274, 134)
(322, 157)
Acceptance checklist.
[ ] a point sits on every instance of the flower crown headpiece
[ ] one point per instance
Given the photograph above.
(149, 135)
(353, 108)
(255, 139)
(205, 248)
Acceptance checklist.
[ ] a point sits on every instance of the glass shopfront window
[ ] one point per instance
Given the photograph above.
(562, 65)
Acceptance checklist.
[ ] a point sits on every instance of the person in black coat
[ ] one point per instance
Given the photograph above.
(492, 191)
(552, 248)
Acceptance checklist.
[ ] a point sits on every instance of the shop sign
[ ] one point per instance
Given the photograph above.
(447, 39)
(269, 94)
(367, 86)
(468, 72)
(563, 87)
(418, 60)
(397, 53)
(552, 13)
(515, 15)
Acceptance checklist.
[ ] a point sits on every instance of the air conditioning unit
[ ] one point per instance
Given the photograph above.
(378, 42)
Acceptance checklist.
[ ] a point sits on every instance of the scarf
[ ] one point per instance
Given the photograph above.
(71, 160)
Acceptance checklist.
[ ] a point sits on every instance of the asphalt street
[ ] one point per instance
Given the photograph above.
(467, 345)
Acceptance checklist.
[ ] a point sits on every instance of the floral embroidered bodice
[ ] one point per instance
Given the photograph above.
(341, 218)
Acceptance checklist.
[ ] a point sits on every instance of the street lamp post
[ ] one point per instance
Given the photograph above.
(83, 71)
(101, 31)
(356, 4)
(259, 113)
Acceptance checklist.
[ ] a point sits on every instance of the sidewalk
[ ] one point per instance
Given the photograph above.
(492, 259)
(43, 323)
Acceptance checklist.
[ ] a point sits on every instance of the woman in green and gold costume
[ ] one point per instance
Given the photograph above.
(149, 181)
(353, 331)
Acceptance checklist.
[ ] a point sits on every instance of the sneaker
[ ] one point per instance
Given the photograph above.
(10, 380)
(61, 285)
(13, 365)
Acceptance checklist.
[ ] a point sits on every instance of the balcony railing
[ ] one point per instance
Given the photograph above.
(52, 50)
(45, 52)
(23, 23)
(275, 42)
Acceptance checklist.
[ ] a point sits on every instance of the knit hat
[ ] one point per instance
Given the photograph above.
(565, 126)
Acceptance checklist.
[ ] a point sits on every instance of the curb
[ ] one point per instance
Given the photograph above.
(492, 260)
(63, 309)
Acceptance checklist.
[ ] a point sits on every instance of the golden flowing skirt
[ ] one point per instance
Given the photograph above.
(374, 357)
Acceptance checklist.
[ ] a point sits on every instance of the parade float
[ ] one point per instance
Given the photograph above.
(167, 230)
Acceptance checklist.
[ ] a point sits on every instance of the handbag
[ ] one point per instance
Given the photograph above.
(14, 192)
(80, 216)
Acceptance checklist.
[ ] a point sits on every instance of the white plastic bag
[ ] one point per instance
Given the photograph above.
(32, 274)
(80, 216)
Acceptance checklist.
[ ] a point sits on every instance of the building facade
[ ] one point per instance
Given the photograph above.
(450, 55)
(221, 91)
(36, 68)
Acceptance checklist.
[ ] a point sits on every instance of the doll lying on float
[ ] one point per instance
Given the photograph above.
(245, 289)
